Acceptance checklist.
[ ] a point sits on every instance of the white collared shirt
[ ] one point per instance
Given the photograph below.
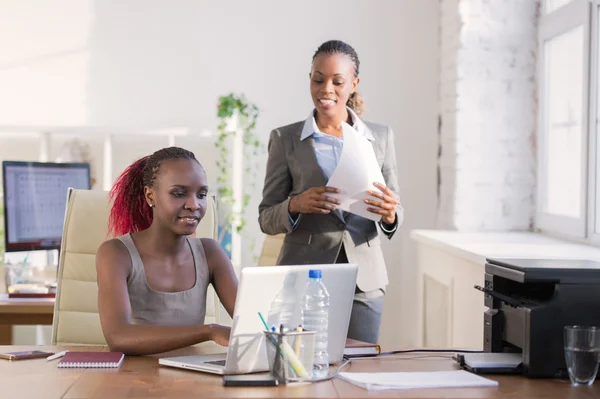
(328, 148)
(310, 126)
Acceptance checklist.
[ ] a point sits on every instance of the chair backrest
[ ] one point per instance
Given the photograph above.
(76, 318)
(270, 250)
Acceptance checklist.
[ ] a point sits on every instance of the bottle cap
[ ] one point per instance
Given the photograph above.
(314, 274)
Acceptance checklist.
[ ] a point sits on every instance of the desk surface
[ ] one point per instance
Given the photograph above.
(26, 305)
(142, 377)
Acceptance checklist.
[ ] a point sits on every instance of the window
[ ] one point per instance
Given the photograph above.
(553, 5)
(566, 100)
(563, 80)
(594, 216)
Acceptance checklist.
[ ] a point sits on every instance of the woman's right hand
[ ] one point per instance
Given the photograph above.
(314, 200)
(220, 334)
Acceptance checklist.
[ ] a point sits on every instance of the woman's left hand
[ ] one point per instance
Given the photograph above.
(385, 203)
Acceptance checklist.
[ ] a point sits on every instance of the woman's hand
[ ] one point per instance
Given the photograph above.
(314, 200)
(220, 334)
(385, 205)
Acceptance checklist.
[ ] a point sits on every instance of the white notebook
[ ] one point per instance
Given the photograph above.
(411, 380)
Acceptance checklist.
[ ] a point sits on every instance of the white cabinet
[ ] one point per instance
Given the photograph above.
(450, 311)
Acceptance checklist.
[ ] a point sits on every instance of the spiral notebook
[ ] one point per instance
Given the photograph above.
(91, 359)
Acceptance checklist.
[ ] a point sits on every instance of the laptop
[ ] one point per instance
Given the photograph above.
(258, 286)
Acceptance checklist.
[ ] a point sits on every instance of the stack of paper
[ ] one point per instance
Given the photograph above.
(408, 380)
(355, 174)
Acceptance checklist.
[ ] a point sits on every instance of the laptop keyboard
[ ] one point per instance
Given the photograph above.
(217, 362)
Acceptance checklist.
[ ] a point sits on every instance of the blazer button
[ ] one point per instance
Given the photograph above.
(341, 225)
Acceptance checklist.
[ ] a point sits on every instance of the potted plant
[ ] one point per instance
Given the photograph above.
(238, 148)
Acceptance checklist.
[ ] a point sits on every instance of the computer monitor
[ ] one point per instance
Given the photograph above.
(35, 196)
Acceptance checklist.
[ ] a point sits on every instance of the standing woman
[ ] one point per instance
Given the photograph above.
(153, 278)
(302, 158)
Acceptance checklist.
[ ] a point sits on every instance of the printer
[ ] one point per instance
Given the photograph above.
(530, 301)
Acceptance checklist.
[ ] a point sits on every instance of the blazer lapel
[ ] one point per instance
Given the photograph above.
(305, 150)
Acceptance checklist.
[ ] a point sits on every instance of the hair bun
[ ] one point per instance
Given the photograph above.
(356, 103)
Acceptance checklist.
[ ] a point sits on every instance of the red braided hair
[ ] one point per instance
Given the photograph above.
(130, 212)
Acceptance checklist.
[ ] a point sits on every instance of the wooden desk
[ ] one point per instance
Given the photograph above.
(18, 311)
(142, 377)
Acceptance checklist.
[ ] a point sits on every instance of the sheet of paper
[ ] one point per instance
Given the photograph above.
(355, 174)
(411, 380)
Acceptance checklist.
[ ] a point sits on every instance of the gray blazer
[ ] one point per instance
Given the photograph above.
(292, 168)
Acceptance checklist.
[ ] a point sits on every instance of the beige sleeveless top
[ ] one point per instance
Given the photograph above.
(167, 308)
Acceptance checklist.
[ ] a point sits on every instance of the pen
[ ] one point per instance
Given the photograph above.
(263, 321)
(56, 355)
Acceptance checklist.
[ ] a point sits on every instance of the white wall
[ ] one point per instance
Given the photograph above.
(488, 114)
(158, 63)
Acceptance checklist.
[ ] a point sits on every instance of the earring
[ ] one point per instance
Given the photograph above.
(151, 205)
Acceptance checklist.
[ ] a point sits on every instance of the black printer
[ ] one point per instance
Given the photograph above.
(530, 301)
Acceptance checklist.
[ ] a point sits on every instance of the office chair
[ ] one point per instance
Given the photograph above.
(270, 250)
(76, 318)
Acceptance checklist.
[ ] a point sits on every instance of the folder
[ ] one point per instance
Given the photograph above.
(355, 348)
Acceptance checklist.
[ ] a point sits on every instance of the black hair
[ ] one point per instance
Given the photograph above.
(356, 101)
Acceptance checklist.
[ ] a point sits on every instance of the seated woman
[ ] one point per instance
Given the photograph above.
(153, 278)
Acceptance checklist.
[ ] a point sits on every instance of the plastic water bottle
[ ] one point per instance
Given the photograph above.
(284, 307)
(315, 317)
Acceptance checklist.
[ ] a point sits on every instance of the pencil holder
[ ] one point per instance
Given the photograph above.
(291, 355)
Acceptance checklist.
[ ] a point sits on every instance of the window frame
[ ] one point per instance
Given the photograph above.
(593, 185)
(570, 16)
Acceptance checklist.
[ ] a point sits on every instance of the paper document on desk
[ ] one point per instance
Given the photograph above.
(355, 174)
(410, 380)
